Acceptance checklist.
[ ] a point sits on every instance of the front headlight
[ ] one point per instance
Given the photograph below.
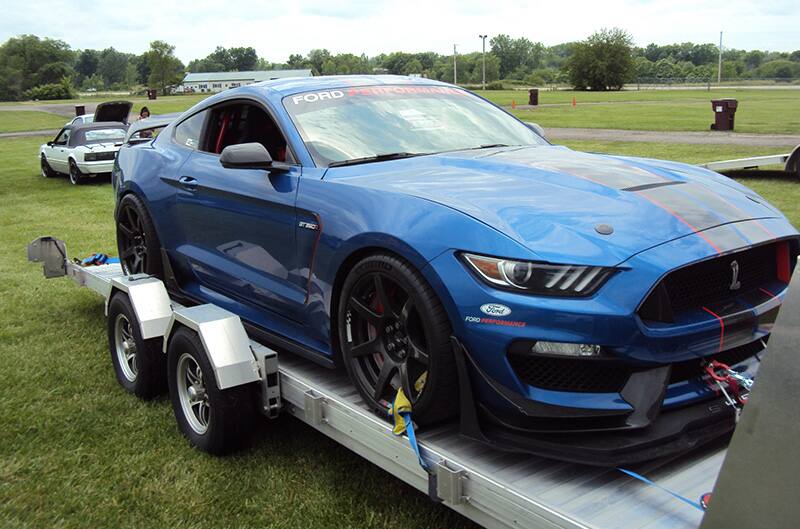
(539, 278)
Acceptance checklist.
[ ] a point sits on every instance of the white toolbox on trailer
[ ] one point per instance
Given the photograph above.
(495, 489)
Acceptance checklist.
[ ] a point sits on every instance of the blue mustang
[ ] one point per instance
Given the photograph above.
(564, 303)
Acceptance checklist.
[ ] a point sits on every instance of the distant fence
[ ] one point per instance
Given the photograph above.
(655, 83)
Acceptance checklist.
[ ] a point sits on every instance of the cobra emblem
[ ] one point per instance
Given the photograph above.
(735, 284)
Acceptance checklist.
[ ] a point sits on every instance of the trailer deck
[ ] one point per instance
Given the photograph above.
(495, 489)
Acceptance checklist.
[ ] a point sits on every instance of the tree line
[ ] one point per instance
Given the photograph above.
(43, 68)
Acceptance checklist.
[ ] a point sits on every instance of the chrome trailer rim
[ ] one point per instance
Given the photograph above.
(125, 347)
(192, 394)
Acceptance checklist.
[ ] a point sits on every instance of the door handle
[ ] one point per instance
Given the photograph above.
(187, 182)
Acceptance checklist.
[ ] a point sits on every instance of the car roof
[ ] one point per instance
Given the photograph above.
(98, 125)
(294, 85)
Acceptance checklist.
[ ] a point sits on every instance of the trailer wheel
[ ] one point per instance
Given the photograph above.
(139, 364)
(215, 421)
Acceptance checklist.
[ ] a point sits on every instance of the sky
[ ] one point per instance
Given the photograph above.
(277, 29)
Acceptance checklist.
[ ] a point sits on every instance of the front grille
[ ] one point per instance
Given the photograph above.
(709, 282)
(605, 375)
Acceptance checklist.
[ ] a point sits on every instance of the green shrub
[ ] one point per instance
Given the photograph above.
(494, 85)
(62, 90)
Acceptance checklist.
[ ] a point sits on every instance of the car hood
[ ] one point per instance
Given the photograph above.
(561, 203)
(113, 111)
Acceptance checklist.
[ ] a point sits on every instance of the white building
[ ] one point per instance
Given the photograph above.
(219, 81)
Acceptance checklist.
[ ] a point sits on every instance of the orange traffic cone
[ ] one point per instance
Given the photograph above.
(574, 103)
(513, 104)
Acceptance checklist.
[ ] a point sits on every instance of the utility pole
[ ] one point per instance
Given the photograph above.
(483, 57)
(719, 66)
(455, 67)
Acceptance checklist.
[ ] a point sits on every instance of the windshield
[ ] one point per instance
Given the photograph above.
(374, 121)
(104, 135)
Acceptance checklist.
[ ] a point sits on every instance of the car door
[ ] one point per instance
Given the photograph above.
(238, 225)
(58, 153)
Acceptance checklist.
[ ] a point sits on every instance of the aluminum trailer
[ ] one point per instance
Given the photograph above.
(790, 162)
(494, 489)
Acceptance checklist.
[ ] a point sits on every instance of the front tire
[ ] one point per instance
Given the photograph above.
(215, 421)
(47, 171)
(75, 175)
(139, 364)
(393, 333)
(137, 242)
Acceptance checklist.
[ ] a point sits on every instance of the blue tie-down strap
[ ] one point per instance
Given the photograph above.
(412, 440)
(97, 259)
(702, 505)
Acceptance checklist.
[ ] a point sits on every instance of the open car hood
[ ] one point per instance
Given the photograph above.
(113, 111)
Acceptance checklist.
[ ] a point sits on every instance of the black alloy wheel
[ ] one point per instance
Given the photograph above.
(75, 175)
(137, 242)
(394, 333)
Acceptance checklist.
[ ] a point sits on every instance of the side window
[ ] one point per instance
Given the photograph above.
(233, 124)
(63, 138)
(188, 132)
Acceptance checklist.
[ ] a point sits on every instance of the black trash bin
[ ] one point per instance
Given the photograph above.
(80, 110)
(724, 112)
(533, 97)
(152, 93)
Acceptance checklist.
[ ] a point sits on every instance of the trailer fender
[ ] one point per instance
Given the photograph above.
(225, 341)
(150, 302)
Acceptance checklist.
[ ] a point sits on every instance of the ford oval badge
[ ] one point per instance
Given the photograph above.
(495, 309)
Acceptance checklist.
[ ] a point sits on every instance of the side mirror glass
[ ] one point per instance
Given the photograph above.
(535, 127)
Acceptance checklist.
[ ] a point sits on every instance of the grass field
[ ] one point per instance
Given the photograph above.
(22, 120)
(668, 110)
(76, 451)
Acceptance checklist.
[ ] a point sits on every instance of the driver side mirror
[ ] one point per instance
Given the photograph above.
(535, 127)
(249, 156)
(50, 143)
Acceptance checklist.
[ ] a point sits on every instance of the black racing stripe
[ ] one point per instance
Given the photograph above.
(696, 214)
(721, 205)
(652, 186)
(726, 237)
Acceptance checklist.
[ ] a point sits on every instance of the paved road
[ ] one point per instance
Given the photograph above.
(695, 138)
(63, 109)
(789, 141)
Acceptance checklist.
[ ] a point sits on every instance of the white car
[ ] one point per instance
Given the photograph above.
(82, 151)
(85, 119)
(85, 149)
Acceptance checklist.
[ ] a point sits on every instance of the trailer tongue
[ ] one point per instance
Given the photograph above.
(495, 489)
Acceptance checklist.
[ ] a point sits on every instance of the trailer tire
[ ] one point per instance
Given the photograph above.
(215, 421)
(139, 364)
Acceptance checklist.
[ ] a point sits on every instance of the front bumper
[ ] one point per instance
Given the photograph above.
(672, 433)
(654, 394)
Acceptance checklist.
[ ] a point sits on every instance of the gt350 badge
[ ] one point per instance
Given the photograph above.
(495, 309)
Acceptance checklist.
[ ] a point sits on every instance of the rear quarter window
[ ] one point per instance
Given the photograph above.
(189, 131)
